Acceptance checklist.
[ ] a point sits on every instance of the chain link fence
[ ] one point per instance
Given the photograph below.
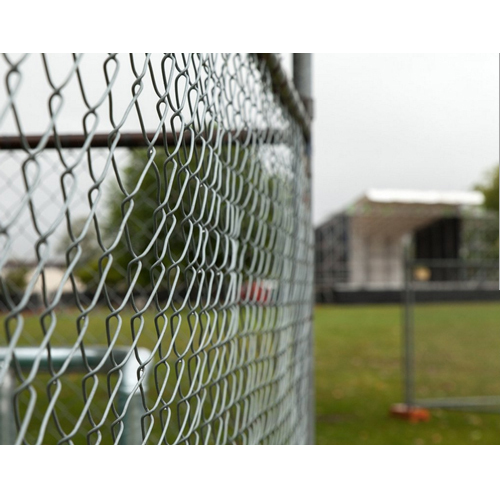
(156, 251)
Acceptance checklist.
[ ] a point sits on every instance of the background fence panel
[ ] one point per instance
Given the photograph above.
(450, 337)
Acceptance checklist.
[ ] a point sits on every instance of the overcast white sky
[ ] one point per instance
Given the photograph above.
(414, 121)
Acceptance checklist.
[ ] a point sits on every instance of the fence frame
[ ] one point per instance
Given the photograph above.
(128, 394)
(490, 404)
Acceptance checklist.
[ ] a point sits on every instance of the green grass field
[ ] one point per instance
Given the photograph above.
(358, 372)
(358, 369)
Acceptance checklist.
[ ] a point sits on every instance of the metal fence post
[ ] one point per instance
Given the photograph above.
(408, 329)
(7, 427)
(302, 79)
(130, 399)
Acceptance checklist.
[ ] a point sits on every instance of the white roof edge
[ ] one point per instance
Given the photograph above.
(425, 197)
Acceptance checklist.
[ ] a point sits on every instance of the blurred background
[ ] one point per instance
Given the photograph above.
(406, 227)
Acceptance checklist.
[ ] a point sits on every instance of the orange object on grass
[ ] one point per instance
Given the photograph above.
(410, 413)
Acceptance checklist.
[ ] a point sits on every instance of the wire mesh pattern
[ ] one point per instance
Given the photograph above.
(156, 252)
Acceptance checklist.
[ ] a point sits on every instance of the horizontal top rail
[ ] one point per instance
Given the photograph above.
(130, 140)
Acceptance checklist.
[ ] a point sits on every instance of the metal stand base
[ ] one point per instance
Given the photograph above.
(413, 414)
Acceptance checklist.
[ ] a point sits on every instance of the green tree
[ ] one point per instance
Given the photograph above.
(193, 208)
(128, 221)
(171, 214)
(148, 208)
(490, 189)
(482, 236)
(13, 282)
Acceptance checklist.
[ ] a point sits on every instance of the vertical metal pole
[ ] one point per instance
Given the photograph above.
(302, 79)
(7, 426)
(132, 434)
(130, 393)
(408, 329)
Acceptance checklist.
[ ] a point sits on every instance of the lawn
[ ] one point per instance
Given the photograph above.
(358, 372)
(357, 369)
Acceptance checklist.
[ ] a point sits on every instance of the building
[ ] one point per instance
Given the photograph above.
(360, 251)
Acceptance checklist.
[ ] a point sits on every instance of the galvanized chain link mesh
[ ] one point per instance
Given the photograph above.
(156, 252)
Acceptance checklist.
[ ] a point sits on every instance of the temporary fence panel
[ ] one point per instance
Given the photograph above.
(450, 333)
(156, 251)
